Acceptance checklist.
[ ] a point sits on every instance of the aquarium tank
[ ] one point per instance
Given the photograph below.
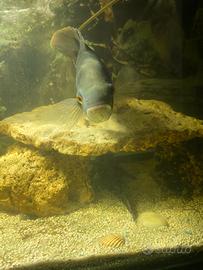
(101, 134)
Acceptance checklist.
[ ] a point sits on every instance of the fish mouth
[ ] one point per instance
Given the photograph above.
(99, 113)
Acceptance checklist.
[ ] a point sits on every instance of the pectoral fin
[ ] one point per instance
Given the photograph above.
(67, 112)
(60, 116)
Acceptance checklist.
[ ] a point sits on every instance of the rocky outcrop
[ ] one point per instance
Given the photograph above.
(42, 184)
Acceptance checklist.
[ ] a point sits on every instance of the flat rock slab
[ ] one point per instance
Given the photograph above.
(135, 125)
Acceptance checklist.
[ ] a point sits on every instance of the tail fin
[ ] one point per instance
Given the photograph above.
(67, 41)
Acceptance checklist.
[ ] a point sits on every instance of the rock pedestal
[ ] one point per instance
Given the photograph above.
(42, 184)
(55, 182)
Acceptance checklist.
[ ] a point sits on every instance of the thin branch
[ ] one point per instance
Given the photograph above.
(95, 15)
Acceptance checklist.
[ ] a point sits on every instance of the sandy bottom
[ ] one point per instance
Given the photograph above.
(76, 236)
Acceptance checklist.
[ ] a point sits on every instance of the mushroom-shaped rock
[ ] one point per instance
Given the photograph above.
(135, 125)
(47, 183)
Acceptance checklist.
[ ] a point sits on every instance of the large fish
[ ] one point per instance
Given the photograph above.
(94, 89)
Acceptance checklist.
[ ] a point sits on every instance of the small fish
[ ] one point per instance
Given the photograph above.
(94, 88)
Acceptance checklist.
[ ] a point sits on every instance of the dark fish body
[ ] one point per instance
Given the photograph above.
(93, 83)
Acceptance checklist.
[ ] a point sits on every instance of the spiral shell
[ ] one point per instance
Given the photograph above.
(112, 240)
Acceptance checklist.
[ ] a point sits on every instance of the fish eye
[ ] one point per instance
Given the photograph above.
(79, 99)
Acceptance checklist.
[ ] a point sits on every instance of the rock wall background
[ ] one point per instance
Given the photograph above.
(153, 37)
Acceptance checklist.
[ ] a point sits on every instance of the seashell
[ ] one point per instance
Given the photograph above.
(152, 220)
(112, 240)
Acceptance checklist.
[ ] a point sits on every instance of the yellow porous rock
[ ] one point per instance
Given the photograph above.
(42, 184)
(135, 125)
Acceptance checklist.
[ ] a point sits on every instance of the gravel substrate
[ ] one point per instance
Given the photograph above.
(76, 236)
